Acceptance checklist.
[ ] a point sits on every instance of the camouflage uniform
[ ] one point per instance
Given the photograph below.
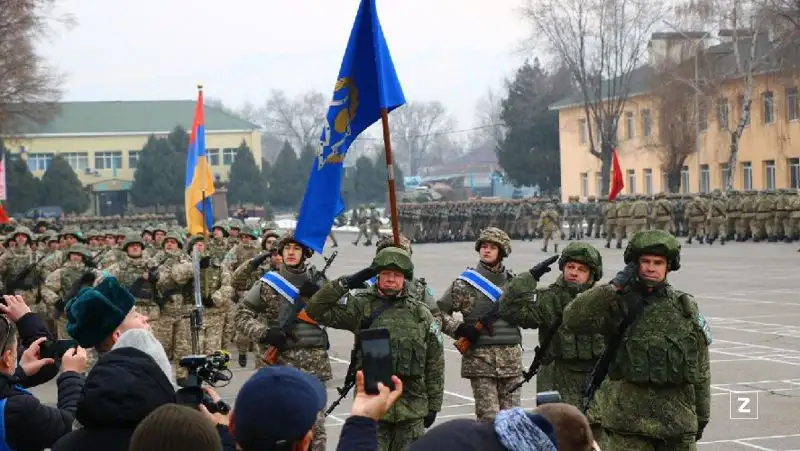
(174, 276)
(574, 218)
(550, 225)
(570, 358)
(657, 394)
(792, 230)
(263, 310)
(661, 216)
(494, 362)
(416, 342)
(60, 285)
(623, 218)
(361, 220)
(234, 258)
(610, 215)
(697, 212)
(717, 218)
(21, 261)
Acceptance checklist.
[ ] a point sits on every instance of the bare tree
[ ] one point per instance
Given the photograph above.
(29, 88)
(602, 43)
(783, 15)
(491, 128)
(297, 120)
(415, 127)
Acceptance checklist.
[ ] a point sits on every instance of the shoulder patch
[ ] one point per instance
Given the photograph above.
(429, 291)
(434, 329)
(705, 326)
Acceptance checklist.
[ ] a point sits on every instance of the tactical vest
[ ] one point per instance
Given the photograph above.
(18, 262)
(649, 356)
(308, 335)
(504, 333)
(70, 275)
(567, 346)
(409, 327)
(128, 274)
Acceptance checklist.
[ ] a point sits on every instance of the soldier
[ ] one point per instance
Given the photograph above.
(734, 213)
(62, 284)
(550, 225)
(267, 315)
(717, 218)
(661, 215)
(592, 217)
(572, 211)
(247, 248)
(697, 212)
(415, 339)
(783, 207)
(493, 362)
(639, 214)
(21, 272)
(793, 229)
(570, 358)
(610, 215)
(173, 273)
(362, 220)
(622, 219)
(374, 224)
(659, 382)
(748, 217)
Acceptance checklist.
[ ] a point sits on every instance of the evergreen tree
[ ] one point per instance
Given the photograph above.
(245, 185)
(61, 186)
(151, 181)
(22, 187)
(174, 162)
(307, 158)
(283, 191)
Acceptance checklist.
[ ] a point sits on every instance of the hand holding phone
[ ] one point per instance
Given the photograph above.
(55, 349)
(376, 359)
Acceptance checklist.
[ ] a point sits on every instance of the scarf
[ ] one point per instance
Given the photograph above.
(518, 430)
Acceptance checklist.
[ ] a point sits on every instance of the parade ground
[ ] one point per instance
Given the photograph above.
(748, 292)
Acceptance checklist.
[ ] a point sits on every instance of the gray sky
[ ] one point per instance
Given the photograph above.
(446, 50)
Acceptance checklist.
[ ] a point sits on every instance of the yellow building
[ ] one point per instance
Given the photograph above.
(102, 142)
(769, 149)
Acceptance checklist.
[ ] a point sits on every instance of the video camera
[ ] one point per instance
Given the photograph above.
(210, 369)
(548, 397)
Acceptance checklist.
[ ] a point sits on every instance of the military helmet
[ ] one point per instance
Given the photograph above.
(289, 238)
(22, 230)
(192, 240)
(222, 225)
(249, 231)
(93, 234)
(496, 236)
(394, 258)
(172, 235)
(235, 223)
(271, 233)
(161, 228)
(654, 242)
(132, 238)
(388, 241)
(583, 253)
(74, 231)
(591, 198)
(79, 249)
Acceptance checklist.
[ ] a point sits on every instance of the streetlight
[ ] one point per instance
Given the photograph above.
(697, 93)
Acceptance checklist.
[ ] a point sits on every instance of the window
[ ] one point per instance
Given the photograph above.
(78, 160)
(685, 180)
(769, 174)
(794, 172)
(647, 123)
(628, 125)
(213, 157)
(702, 116)
(228, 155)
(768, 107)
(598, 181)
(747, 176)
(648, 181)
(725, 174)
(705, 179)
(742, 106)
(792, 110)
(584, 184)
(133, 158)
(582, 130)
(722, 113)
(39, 161)
(108, 160)
(631, 181)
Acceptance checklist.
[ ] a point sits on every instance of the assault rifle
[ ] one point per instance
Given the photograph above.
(484, 322)
(196, 317)
(15, 283)
(538, 356)
(298, 313)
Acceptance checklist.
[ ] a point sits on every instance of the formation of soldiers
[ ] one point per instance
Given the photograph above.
(770, 215)
(104, 222)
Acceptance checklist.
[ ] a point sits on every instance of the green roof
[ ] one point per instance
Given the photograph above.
(121, 117)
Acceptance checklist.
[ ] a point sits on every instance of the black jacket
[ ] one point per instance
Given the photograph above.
(358, 434)
(121, 390)
(31, 327)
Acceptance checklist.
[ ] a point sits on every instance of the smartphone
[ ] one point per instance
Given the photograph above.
(548, 397)
(55, 349)
(376, 359)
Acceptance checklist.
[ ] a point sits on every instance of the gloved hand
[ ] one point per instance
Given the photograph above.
(543, 267)
(429, 419)
(256, 261)
(624, 277)
(357, 280)
(205, 262)
(700, 428)
(308, 289)
(468, 331)
(152, 275)
(274, 336)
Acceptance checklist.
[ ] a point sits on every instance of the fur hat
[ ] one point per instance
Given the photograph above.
(96, 312)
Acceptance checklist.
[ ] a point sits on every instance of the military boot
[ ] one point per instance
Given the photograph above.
(772, 239)
(608, 244)
(700, 240)
(544, 249)
(242, 359)
(689, 240)
(619, 244)
(722, 241)
(555, 248)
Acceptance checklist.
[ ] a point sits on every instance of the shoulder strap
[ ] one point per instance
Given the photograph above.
(366, 323)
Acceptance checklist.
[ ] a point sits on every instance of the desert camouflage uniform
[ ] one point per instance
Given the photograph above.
(239, 254)
(717, 218)
(550, 225)
(14, 262)
(174, 274)
(128, 271)
(60, 284)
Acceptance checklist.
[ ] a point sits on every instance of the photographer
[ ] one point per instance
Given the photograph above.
(30, 327)
(30, 425)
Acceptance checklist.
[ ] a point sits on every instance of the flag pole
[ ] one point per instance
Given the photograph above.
(387, 144)
(205, 213)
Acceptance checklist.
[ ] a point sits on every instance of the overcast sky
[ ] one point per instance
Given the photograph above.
(447, 50)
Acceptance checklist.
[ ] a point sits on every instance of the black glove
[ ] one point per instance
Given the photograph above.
(543, 267)
(429, 419)
(256, 261)
(308, 289)
(700, 428)
(468, 331)
(624, 277)
(274, 336)
(357, 280)
(205, 262)
(90, 263)
(152, 275)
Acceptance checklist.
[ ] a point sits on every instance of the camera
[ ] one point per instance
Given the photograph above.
(548, 397)
(210, 369)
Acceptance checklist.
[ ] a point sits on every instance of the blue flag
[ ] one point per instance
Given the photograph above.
(366, 84)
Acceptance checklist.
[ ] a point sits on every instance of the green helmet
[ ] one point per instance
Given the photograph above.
(271, 233)
(192, 240)
(74, 231)
(161, 228)
(235, 223)
(79, 249)
(583, 253)
(496, 236)
(173, 236)
(654, 242)
(22, 230)
(388, 241)
(222, 225)
(249, 231)
(289, 238)
(394, 258)
(132, 238)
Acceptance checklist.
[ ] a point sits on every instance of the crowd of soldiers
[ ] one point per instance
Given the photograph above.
(770, 215)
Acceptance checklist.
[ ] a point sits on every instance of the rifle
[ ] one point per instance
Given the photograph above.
(298, 313)
(538, 356)
(86, 278)
(196, 317)
(484, 322)
(12, 284)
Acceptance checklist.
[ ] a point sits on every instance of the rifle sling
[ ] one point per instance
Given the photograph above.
(549, 335)
(366, 323)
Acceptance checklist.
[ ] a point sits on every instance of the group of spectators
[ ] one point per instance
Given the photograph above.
(127, 400)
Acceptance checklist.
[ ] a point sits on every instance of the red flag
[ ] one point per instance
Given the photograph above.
(3, 215)
(617, 183)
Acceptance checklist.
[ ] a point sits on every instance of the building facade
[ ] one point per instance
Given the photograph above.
(102, 142)
(769, 148)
